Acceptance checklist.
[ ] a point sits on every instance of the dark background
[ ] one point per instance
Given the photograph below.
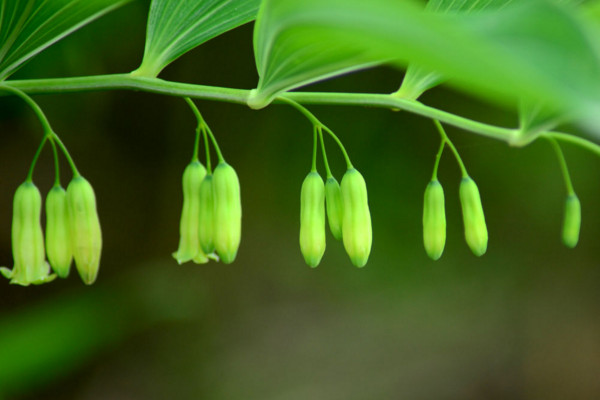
(521, 322)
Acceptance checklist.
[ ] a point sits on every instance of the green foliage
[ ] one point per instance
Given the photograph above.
(175, 27)
(537, 51)
(29, 26)
(417, 79)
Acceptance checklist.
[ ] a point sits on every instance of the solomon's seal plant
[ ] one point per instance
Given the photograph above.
(59, 243)
(85, 228)
(312, 219)
(297, 42)
(28, 239)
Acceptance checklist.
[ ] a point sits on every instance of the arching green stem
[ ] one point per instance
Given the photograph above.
(314, 155)
(438, 156)
(48, 132)
(35, 158)
(563, 166)
(446, 139)
(327, 170)
(56, 163)
(33, 105)
(240, 96)
(63, 148)
(215, 144)
(576, 140)
(315, 121)
(204, 128)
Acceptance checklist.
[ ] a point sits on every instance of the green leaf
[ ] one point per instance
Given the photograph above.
(417, 79)
(177, 26)
(29, 26)
(534, 50)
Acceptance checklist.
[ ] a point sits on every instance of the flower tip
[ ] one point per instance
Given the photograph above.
(228, 258)
(88, 279)
(45, 279)
(177, 258)
(480, 250)
(6, 272)
(312, 262)
(359, 261)
(200, 258)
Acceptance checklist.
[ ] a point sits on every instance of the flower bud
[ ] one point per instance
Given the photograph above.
(312, 219)
(335, 209)
(357, 231)
(228, 212)
(434, 220)
(58, 237)
(86, 237)
(206, 215)
(189, 243)
(28, 239)
(572, 221)
(476, 233)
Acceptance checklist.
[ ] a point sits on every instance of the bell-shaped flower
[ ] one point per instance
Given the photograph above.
(476, 233)
(356, 227)
(434, 220)
(27, 239)
(86, 236)
(227, 212)
(58, 232)
(335, 207)
(206, 215)
(312, 219)
(572, 221)
(189, 243)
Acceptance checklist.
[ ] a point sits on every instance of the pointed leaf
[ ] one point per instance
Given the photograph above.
(417, 79)
(177, 26)
(29, 26)
(539, 51)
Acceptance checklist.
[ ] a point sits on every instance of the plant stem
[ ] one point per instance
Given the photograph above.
(56, 163)
(438, 156)
(576, 140)
(240, 96)
(63, 148)
(446, 139)
(563, 166)
(327, 170)
(35, 158)
(32, 104)
(314, 155)
(48, 132)
(207, 150)
(203, 126)
(215, 144)
(315, 121)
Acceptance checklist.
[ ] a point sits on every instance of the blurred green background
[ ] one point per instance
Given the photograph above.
(519, 323)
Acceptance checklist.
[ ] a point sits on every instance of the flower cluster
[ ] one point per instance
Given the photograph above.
(211, 219)
(347, 208)
(72, 231)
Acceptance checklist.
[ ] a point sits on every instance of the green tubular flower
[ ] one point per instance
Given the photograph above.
(228, 212)
(572, 221)
(58, 237)
(476, 233)
(86, 236)
(206, 215)
(28, 239)
(335, 209)
(312, 219)
(357, 230)
(189, 244)
(434, 220)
